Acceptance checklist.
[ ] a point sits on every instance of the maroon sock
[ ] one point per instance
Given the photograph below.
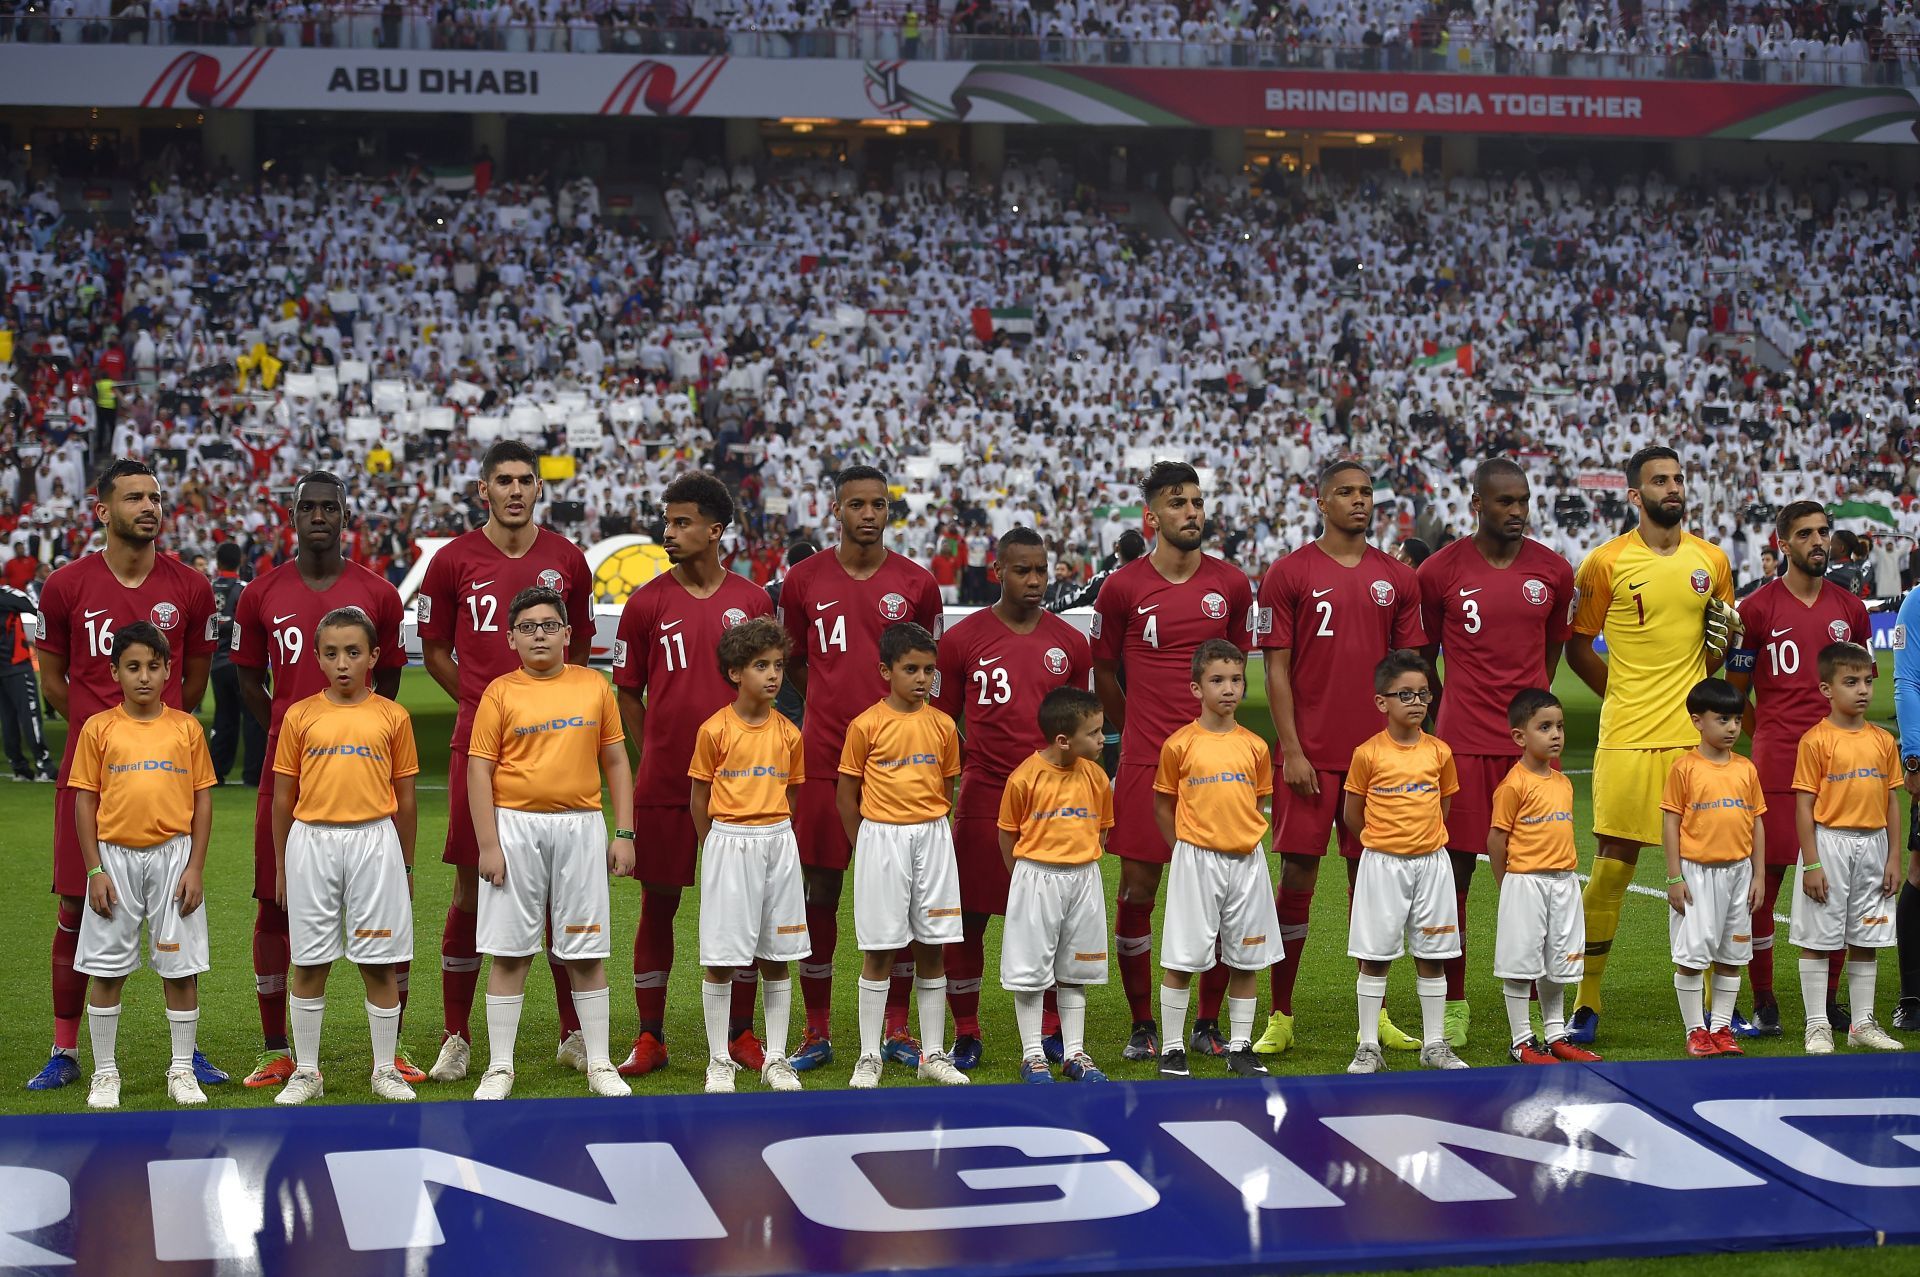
(653, 959)
(459, 972)
(1455, 969)
(966, 962)
(1293, 908)
(1213, 987)
(746, 988)
(69, 986)
(900, 991)
(1049, 1014)
(1836, 967)
(1760, 970)
(816, 973)
(272, 957)
(1133, 941)
(402, 977)
(562, 989)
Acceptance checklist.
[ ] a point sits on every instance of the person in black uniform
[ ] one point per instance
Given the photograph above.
(232, 724)
(20, 690)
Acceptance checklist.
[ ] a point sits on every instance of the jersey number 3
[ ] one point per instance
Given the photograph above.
(995, 690)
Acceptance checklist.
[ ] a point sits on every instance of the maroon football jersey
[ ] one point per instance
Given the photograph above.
(665, 649)
(1338, 622)
(1493, 626)
(993, 681)
(275, 620)
(1781, 649)
(837, 622)
(1152, 626)
(83, 603)
(464, 599)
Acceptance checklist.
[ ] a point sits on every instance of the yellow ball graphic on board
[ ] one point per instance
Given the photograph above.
(626, 570)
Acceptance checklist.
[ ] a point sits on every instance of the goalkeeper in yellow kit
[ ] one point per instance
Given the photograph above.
(1664, 599)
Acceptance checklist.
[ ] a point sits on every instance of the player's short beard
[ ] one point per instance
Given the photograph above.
(1807, 566)
(130, 532)
(1657, 514)
(1182, 542)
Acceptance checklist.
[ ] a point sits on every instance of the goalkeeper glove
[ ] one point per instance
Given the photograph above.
(1722, 627)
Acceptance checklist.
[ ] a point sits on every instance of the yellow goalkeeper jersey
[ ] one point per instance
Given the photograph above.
(1652, 609)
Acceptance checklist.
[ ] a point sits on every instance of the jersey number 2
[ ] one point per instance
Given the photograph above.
(995, 690)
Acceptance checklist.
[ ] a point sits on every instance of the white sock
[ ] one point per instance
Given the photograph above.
(1433, 1008)
(103, 1027)
(181, 1026)
(595, 1009)
(1860, 981)
(1813, 988)
(932, 996)
(1073, 1019)
(873, 1014)
(1240, 1023)
(716, 1003)
(1173, 1017)
(307, 1014)
(503, 1027)
(1691, 987)
(1372, 990)
(1519, 1013)
(1726, 993)
(1027, 1008)
(384, 1022)
(1553, 1010)
(777, 997)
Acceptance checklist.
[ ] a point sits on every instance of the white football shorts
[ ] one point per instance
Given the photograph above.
(1855, 912)
(1403, 904)
(1718, 926)
(1218, 900)
(145, 880)
(1542, 931)
(906, 885)
(347, 894)
(752, 905)
(1056, 930)
(556, 870)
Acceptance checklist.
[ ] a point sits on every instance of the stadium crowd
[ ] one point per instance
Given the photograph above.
(1812, 42)
(798, 321)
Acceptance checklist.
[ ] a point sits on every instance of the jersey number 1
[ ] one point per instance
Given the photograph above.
(837, 638)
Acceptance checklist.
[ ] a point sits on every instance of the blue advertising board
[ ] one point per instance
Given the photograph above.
(1290, 1174)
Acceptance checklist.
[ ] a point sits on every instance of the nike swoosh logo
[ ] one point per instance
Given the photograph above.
(480, 585)
(282, 620)
(1319, 593)
(821, 607)
(1778, 633)
(1467, 594)
(667, 625)
(989, 660)
(102, 612)
(1142, 611)
(1634, 585)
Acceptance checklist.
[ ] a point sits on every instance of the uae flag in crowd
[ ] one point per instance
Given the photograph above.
(1009, 321)
(1436, 356)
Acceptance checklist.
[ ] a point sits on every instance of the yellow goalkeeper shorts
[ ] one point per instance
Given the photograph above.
(1627, 784)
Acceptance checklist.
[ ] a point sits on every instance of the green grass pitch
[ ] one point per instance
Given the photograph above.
(1642, 1022)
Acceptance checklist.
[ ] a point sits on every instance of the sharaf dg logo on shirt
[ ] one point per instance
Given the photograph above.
(1064, 813)
(555, 725)
(1719, 804)
(1221, 778)
(1410, 787)
(752, 773)
(1858, 773)
(348, 751)
(911, 760)
(148, 765)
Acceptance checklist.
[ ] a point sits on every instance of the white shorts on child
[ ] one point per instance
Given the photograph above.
(1542, 931)
(1855, 913)
(1717, 926)
(1403, 904)
(1056, 930)
(751, 902)
(1218, 899)
(145, 880)
(906, 885)
(347, 894)
(556, 870)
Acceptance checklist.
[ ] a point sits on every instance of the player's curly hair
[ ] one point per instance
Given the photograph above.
(1403, 661)
(141, 634)
(749, 639)
(702, 490)
(1164, 475)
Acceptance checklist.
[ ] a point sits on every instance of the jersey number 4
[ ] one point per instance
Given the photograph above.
(837, 637)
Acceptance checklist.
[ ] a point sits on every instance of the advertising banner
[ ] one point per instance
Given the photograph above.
(1007, 93)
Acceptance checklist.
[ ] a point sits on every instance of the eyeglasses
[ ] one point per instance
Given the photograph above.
(1409, 696)
(531, 628)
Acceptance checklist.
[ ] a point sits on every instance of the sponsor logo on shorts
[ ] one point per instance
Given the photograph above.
(1382, 592)
(1447, 930)
(893, 606)
(797, 929)
(1699, 580)
(1254, 940)
(556, 725)
(1838, 630)
(148, 765)
(373, 933)
(1742, 939)
(1056, 660)
(166, 946)
(347, 751)
(583, 929)
(165, 615)
(1091, 957)
(1876, 920)
(943, 913)
(550, 579)
(1534, 592)
(1214, 604)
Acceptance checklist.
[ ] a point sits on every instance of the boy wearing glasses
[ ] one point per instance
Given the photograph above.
(542, 737)
(1398, 790)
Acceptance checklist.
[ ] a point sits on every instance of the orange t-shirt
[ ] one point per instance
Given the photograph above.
(346, 757)
(1057, 813)
(1403, 786)
(544, 737)
(1717, 804)
(1849, 773)
(1217, 780)
(904, 762)
(1537, 814)
(748, 768)
(146, 772)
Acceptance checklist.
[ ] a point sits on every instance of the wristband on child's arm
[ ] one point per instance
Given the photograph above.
(97, 869)
(1676, 880)
(1809, 868)
(627, 834)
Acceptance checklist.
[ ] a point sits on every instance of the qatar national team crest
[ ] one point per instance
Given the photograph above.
(550, 579)
(1701, 581)
(1214, 604)
(893, 606)
(1382, 592)
(1534, 591)
(1839, 630)
(731, 617)
(165, 615)
(1056, 659)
